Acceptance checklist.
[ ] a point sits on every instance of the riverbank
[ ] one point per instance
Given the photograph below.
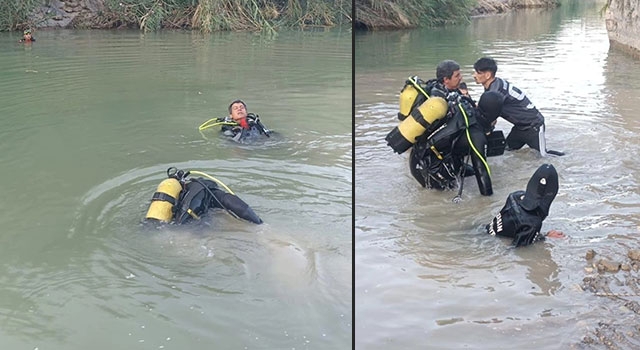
(491, 7)
(406, 14)
(203, 15)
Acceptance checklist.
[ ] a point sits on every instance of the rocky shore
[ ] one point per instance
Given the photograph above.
(623, 25)
(69, 14)
(492, 7)
(618, 279)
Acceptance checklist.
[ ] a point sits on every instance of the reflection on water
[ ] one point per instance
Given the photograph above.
(427, 276)
(93, 119)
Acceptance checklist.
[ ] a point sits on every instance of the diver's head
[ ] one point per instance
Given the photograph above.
(237, 110)
(485, 70)
(463, 88)
(541, 190)
(448, 73)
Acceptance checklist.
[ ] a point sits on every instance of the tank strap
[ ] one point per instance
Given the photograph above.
(159, 196)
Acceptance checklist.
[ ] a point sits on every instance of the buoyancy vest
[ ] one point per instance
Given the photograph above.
(238, 133)
(516, 222)
(440, 150)
(522, 215)
(441, 137)
(194, 201)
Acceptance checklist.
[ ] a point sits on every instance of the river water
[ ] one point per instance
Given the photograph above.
(91, 122)
(426, 274)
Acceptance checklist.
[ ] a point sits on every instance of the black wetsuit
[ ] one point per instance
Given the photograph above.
(239, 134)
(528, 122)
(524, 211)
(437, 157)
(199, 195)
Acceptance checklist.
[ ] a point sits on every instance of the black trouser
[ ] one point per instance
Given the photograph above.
(531, 136)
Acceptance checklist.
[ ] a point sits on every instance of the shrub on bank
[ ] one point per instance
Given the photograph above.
(381, 14)
(204, 15)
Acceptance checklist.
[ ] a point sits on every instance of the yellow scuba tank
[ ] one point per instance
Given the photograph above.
(404, 135)
(163, 200)
(408, 96)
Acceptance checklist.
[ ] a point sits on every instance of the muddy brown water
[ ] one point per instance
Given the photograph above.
(427, 276)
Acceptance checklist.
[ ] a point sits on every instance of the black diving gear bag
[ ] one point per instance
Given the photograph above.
(496, 143)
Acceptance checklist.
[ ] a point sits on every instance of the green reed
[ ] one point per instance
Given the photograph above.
(14, 14)
(394, 14)
(203, 15)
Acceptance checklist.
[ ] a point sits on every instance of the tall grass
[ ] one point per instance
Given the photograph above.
(215, 15)
(380, 14)
(203, 15)
(14, 14)
(147, 14)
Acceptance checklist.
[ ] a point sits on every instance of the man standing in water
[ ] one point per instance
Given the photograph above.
(528, 123)
(432, 125)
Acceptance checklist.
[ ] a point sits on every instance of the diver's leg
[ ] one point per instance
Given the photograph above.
(235, 205)
(481, 168)
(542, 142)
(479, 161)
(416, 167)
(515, 139)
(535, 139)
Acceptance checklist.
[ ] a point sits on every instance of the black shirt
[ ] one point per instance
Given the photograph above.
(517, 108)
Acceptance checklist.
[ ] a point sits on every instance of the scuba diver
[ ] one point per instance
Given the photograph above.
(179, 200)
(240, 126)
(442, 127)
(27, 37)
(524, 211)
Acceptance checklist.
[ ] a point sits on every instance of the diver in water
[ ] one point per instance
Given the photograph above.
(179, 200)
(240, 126)
(27, 37)
(440, 126)
(524, 211)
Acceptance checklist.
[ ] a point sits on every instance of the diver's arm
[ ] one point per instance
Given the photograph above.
(255, 119)
(527, 235)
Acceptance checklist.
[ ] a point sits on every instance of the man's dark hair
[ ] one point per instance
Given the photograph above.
(462, 85)
(237, 101)
(445, 69)
(486, 64)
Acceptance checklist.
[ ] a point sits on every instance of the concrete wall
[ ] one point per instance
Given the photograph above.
(623, 25)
